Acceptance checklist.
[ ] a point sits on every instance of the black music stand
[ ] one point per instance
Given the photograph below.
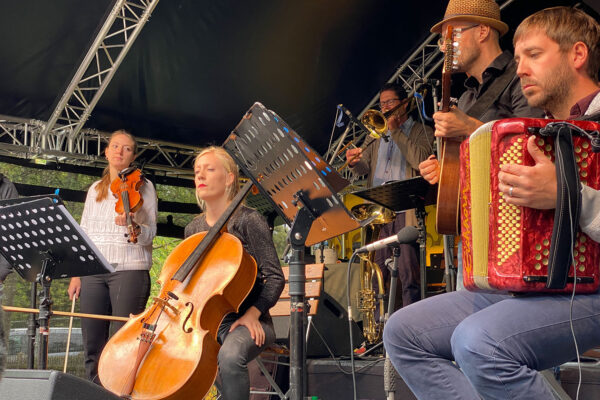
(302, 187)
(405, 195)
(42, 242)
(399, 196)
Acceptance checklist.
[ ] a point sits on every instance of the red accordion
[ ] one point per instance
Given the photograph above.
(506, 247)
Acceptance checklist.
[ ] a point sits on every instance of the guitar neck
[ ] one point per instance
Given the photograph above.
(449, 151)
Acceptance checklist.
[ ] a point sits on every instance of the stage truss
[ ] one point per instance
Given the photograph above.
(22, 138)
(414, 71)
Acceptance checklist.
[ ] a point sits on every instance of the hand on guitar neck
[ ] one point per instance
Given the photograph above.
(430, 169)
(454, 123)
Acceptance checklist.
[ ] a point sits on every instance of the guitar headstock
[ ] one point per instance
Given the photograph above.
(451, 53)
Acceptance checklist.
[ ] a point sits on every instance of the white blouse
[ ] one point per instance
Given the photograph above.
(98, 222)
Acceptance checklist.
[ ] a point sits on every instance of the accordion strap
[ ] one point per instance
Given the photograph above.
(568, 206)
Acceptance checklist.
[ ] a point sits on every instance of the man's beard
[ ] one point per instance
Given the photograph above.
(469, 54)
(555, 89)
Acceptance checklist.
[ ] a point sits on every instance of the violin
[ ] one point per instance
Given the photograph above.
(169, 351)
(126, 188)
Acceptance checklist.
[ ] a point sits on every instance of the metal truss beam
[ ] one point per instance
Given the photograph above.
(21, 138)
(415, 70)
(122, 26)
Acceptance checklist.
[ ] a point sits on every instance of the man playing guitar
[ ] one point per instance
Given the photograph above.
(472, 345)
(484, 62)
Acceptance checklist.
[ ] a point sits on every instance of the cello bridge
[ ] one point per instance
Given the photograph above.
(163, 303)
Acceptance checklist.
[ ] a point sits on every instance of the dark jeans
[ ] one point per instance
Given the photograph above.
(409, 274)
(120, 294)
(237, 350)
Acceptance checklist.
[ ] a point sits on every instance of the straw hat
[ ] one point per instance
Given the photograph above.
(486, 12)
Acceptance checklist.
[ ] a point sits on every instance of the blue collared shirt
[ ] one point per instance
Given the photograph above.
(391, 163)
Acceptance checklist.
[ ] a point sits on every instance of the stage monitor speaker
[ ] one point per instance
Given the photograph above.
(329, 329)
(590, 379)
(326, 381)
(25, 384)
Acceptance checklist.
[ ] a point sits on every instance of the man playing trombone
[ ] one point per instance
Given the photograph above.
(409, 142)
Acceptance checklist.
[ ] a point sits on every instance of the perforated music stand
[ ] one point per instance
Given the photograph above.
(401, 195)
(42, 242)
(405, 195)
(303, 188)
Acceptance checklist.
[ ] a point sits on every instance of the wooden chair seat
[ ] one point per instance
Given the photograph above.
(313, 288)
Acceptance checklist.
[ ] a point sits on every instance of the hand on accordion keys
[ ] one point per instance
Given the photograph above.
(533, 186)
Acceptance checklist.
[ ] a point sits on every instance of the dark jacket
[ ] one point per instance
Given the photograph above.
(511, 102)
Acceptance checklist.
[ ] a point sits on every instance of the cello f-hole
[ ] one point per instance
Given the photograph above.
(187, 317)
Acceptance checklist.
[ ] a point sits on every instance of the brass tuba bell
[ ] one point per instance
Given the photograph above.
(372, 214)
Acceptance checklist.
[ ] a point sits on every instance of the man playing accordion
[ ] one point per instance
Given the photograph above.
(472, 345)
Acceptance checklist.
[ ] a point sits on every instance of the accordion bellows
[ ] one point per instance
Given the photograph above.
(506, 247)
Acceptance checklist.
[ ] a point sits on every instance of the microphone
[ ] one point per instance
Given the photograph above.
(408, 234)
(346, 111)
(371, 132)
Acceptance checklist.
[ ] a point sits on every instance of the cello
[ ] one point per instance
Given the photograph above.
(170, 350)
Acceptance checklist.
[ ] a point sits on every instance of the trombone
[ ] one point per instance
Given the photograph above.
(375, 123)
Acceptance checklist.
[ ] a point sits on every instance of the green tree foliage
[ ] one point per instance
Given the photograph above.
(161, 249)
(17, 291)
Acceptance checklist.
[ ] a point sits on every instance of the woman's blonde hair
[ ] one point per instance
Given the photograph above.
(229, 165)
(104, 185)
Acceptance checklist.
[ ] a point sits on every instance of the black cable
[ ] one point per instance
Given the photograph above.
(350, 322)
(559, 155)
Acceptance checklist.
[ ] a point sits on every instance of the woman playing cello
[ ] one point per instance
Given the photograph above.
(126, 290)
(245, 334)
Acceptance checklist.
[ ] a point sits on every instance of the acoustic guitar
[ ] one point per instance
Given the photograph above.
(447, 218)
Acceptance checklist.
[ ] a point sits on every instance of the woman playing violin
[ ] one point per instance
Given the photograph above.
(126, 290)
(245, 334)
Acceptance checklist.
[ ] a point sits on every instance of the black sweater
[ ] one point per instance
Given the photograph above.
(250, 227)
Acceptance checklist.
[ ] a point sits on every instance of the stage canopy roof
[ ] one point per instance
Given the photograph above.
(198, 65)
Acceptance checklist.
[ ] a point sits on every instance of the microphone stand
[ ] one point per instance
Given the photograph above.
(389, 373)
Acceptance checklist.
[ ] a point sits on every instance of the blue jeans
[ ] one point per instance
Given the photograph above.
(498, 341)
